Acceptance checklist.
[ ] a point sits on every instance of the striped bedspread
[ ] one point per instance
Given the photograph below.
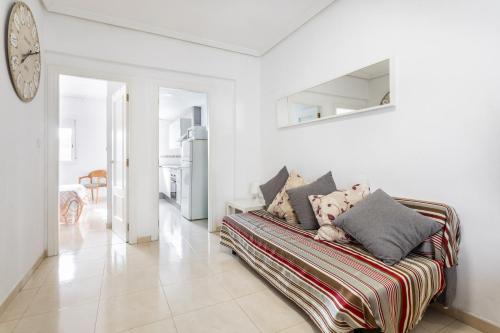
(341, 286)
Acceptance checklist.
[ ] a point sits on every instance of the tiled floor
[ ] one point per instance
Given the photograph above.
(185, 282)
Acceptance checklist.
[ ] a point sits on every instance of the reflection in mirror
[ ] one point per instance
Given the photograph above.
(362, 90)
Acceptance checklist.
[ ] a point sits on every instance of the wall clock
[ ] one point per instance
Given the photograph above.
(23, 52)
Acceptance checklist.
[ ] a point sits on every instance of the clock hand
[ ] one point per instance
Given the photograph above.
(27, 55)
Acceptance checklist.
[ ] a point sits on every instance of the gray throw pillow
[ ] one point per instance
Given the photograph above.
(274, 185)
(386, 228)
(299, 199)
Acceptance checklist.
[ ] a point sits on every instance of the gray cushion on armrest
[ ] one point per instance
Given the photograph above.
(386, 228)
(274, 185)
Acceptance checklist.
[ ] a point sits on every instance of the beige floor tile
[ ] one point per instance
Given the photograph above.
(18, 306)
(221, 318)
(195, 294)
(207, 245)
(70, 271)
(54, 297)
(458, 327)
(432, 322)
(183, 271)
(132, 310)
(270, 311)
(304, 327)
(223, 262)
(78, 319)
(129, 282)
(130, 263)
(38, 278)
(8, 327)
(169, 252)
(242, 281)
(162, 326)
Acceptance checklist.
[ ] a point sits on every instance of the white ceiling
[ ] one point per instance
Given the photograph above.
(175, 102)
(72, 86)
(246, 26)
(373, 71)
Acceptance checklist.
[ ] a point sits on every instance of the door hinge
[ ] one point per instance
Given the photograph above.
(127, 162)
(127, 97)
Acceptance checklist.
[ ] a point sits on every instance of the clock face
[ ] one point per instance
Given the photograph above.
(23, 51)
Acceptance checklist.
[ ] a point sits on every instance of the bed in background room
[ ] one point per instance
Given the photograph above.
(72, 199)
(342, 287)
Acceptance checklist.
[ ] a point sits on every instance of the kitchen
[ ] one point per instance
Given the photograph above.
(183, 156)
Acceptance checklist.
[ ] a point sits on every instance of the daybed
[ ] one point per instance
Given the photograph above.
(341, 286)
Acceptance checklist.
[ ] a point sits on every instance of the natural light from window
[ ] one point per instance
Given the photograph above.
(66, 144)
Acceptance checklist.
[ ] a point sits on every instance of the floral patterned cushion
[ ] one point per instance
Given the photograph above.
(281, 206)
(328, 207)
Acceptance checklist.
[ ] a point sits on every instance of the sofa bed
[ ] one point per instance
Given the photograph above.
(341, 286)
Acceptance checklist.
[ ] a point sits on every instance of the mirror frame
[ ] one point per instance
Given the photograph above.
(391, 105)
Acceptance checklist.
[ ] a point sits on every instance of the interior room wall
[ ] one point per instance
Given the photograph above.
(146, 59)
(165, 139)
(183, 109)
(90, 119)
(439, 143)
(22, 197)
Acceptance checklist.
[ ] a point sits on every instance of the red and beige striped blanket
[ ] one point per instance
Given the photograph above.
(341, 286)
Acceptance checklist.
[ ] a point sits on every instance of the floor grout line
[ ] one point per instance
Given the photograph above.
(248, 316)
(446, 326)
(99, 299)
(169, 306)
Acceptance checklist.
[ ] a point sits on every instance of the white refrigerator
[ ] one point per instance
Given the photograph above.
(194, 174)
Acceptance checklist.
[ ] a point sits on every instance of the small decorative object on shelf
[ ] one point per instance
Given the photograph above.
(386, 99)
(243, 206)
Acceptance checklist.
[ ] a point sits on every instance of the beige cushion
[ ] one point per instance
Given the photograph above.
(328, 207)
(281, 206)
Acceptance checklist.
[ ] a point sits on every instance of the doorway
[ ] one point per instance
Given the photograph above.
(183, 162)
(92, 160)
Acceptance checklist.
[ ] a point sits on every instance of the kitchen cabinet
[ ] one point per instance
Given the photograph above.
(177, 129)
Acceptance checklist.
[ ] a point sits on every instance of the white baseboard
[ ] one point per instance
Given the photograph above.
(144, 239)
(22, 283)
(480, 324)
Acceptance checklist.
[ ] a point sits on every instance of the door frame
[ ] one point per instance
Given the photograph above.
(52, 144)
(111, 149)
(196, 88)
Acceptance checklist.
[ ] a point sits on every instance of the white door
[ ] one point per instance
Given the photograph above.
(119, 163)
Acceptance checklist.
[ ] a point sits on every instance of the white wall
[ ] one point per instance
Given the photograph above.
(22, 231)
(165, 139)
(144, 58)
(441, 142)
(90, 120)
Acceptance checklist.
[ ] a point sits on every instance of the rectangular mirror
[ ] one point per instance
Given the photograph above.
(366, 89)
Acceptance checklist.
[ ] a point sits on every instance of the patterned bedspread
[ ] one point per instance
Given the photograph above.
(342, 287)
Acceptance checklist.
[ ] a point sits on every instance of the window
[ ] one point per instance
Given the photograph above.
(67, 141)
(343, 110)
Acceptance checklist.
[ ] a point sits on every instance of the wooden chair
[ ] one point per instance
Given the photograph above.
(96, 179)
